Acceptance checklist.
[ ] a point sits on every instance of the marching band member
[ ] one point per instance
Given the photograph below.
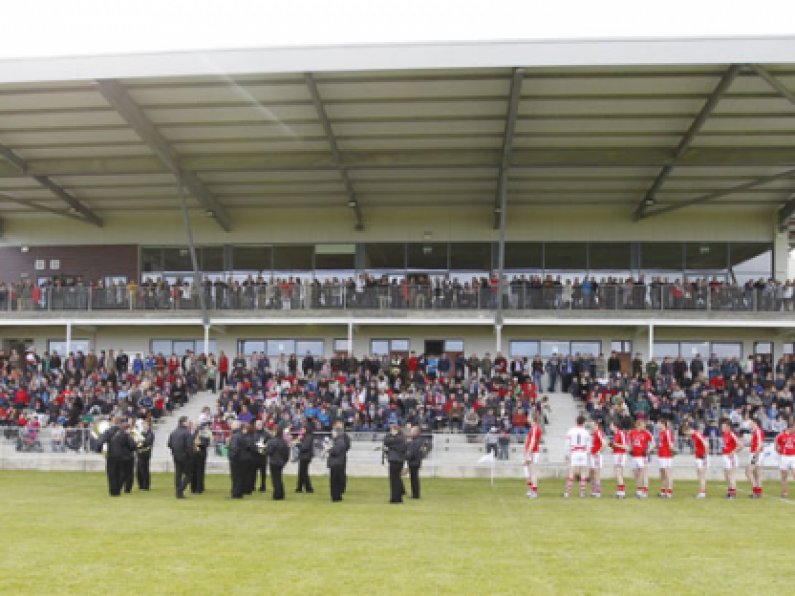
(144, 456)
(278, 453)
(201, 443)
(336, 463)
(305, 457)
(395, 446)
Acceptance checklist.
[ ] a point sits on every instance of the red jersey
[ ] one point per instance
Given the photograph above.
(534, 438)
(639, 441)
(597, 442)
(730, 442)
(666, 443)
(619, 438)
(758, 440)
(699, 445)
(785, 443)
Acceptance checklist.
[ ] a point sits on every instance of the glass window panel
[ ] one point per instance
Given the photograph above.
(427, 256)
(454, 345)
(199, 346)
(313, 346)
(666, 349)
(342, 262)
(341, 345)
(292, 258)
(470, 256)
(727, 349)
(151, 260)
(751, 261)
(553, 347)
(379, 347)
(662, 259)
(181, 346)
(524, 348)
(567, 260)
(212, 259)
(691, 348)
(621, 346)
(763, 347)
(788, 348)
(710, 257)
(524, 257)
(177, 260)
(249, 346)
(586, 347)
(610, 258)
(400, 345)
(59, 346)
(277, 347)
(387, 256)
(161, 346)
(252, 259)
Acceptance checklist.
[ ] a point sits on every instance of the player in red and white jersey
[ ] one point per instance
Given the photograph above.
(753, 471)
(785, 447)
(531, 450)
(665, 457)
(578, 442)
(619, 444)
(641, 444)
(700, 450)
(598, 443)
(732, 445)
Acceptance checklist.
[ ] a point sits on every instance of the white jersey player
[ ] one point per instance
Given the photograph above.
(578, 443)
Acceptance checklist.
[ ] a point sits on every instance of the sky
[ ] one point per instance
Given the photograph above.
(49, 28)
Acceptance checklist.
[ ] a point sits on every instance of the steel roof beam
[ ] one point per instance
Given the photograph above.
(353, 202)
(115, 94)
(511, 115)
(706, 111)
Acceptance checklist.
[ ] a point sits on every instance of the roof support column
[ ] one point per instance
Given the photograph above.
(196, 274)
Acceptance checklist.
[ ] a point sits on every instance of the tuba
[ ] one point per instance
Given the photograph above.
(97, 430)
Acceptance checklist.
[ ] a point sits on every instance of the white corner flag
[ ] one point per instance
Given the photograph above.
(489, 459)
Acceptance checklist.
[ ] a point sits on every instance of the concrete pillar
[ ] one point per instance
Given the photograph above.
(68, 339)
(651, 342)
(498, 331)
(780, 255)
(206, 340)
(350, 338)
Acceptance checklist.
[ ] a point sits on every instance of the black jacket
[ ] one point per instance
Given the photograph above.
(396, 448)
(278, 452)
(105, 438)
(239, 447)
(339, 449)
(149, 441)
(181, 444)
(121, 447)
(307, 447)
(415, 452)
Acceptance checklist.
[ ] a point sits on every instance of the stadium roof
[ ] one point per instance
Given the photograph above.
(651, 138)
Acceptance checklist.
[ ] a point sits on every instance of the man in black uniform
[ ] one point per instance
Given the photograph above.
(278, 455)
(181, 444)
(249, 471)
(121, 451)
(201, 442)
(110, 465)
(145, 456)
(260, 459)
(238, 449)
(336, 463)
(341, 426)
(395, 447)
(305, 458)
(415, 452)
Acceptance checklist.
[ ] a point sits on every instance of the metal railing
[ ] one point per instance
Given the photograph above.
(518, 297)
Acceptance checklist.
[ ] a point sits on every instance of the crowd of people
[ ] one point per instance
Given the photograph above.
(524, 292)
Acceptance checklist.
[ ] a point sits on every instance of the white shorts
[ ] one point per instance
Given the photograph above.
(595, 461)
(665, 462)
(702, 463)
(638, 463)
(730, 462)
(533, 458)
(619, 460)
(579, 459)
(786, 463)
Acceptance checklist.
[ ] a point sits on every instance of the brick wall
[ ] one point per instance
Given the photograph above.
(92, 262)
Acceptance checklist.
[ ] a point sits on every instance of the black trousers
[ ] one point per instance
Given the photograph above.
(182, 469)
(395, 482)
(236, 471)
(261, 469)
(303, 477)
(129, 474)
(199, 464)
(337, 475)
(250, 474)
(276, 479)
(414, 473)
(142, 470)
(344, 476)
(115, 472)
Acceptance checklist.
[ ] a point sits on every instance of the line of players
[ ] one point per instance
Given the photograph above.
(585, 444)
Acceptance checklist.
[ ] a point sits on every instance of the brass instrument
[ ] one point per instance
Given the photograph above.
(97, 430)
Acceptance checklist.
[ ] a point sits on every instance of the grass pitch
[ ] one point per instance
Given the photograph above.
(61, 533)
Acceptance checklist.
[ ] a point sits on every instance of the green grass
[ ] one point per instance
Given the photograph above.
(61, 533)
